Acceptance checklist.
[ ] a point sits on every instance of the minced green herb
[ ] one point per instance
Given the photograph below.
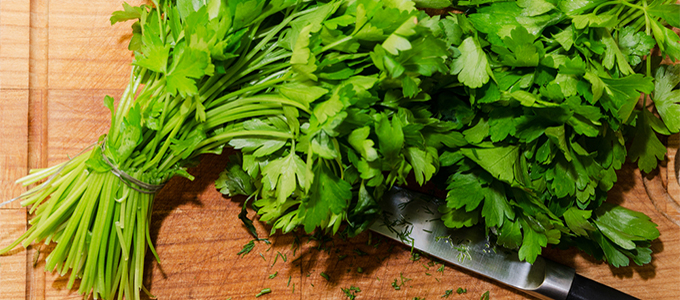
(351, 292)
(324, 275)
(263, 292)
(396, 285)
(247, 248)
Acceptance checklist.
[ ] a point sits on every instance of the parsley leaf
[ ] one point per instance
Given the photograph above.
(285, 174)
(472, 67)
(328, 195)
(645, 147)
(667, 96)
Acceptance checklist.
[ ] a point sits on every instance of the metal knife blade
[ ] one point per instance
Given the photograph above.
(413, 218)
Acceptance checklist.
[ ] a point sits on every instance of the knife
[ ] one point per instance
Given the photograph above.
(413, 219)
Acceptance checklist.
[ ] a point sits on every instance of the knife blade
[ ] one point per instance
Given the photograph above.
(413, 219)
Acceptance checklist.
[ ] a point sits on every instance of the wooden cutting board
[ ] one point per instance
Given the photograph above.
(58, 59)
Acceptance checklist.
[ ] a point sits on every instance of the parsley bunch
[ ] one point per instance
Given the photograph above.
(548, 106)
(367, 67)
(525, 109)
(200, 71)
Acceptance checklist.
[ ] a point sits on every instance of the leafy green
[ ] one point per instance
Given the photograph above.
(472, 66)
(667, 96)
(233, 180)
(328, 195)
(524, 110)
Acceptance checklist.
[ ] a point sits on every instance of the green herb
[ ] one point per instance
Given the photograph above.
(360, 270)
(463, 249)
(398, 285)
(415, 256)
(325, 276)
(289, 278)
(272, 276)
(193, 65)
(247, 248)
(566, 132)
(525, 110)
(276, 257)
(461, 290)
(351, 292)
(441, 269)
(284, 257)
(485, 296)
(447, 293)
(263, 292)
(395, 284)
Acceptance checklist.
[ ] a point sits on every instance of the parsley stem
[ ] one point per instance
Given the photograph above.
(615, 2)
(629, 16)
(648, 29)
(633, 5)
(254, 88)
(164, 147)
(271, 69)
(126, 101)
(220, 138)
(208, 145)
(334, 44)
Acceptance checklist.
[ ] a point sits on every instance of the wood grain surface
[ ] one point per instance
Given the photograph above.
(58, 59)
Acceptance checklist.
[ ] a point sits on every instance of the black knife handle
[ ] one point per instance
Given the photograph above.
(586, 289)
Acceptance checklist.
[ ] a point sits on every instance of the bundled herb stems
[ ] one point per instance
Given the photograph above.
(183, 100)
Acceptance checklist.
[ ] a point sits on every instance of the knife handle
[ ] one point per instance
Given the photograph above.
(586, 289)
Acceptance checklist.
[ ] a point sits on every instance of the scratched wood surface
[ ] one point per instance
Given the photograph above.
(58, 59)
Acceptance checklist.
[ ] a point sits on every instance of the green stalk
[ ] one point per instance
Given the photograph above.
(209, 144)
(101, 226)
(254, 88)
(160, 153)
(630, 16)
(126, 102)
(101, 222)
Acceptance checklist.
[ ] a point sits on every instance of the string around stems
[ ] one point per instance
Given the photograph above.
(127, 179)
